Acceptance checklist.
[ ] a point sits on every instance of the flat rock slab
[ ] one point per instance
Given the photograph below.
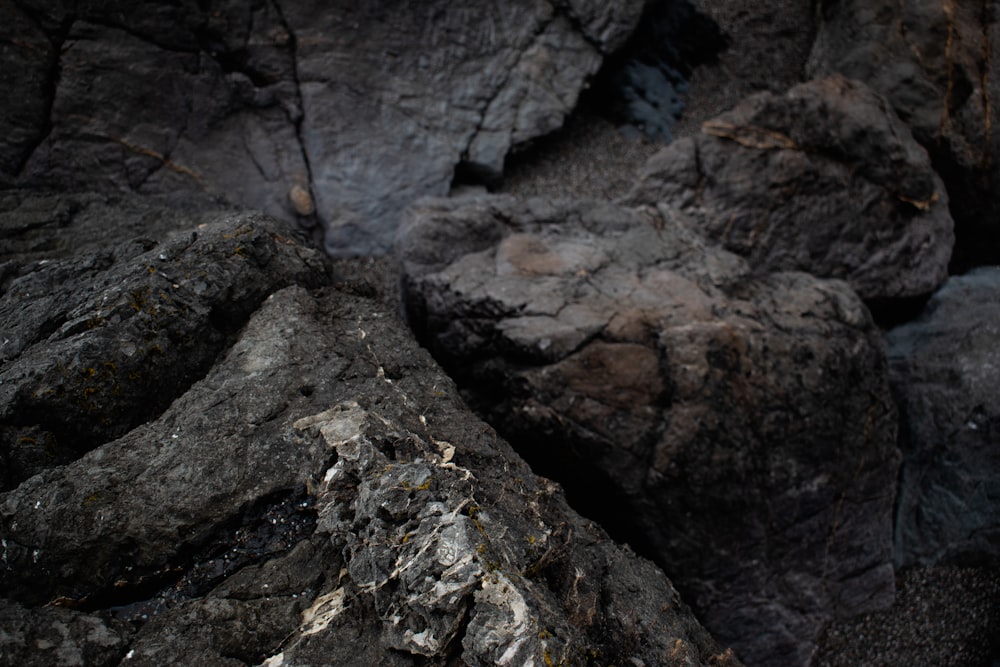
(318, 494)
(944, 370)
(737, 425)
(823, 179)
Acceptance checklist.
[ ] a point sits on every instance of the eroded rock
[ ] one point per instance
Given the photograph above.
(321, 495)
(736, 424)
(823, 179)
(936, 65)
(341, 113)
(82, 365)
(943, 369)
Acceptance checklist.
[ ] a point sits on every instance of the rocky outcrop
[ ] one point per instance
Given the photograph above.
(734, 424)
(943, 373)
(937, 64)
(82, 366)
(337, 112)
(823, 179)
(317, 493)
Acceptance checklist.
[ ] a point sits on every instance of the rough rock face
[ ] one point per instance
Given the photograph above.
(823, 179)
(340, 111)
(318, 494)
(82, 366)
(737, 425)
(937, 64)
(943, 373)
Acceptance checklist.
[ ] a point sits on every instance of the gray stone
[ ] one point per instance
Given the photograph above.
(735, 424)
(934, 63)
(56, 636)
(319, 495)
(823, 179)
(336, 112)
(26, 80)
(82, 365)
(943, 369)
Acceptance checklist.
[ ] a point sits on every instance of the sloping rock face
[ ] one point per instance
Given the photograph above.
(943, 372)
(317, 493)
(824, 179)
(937, 64)
(737, 425)
(82, 366)
(339, 112)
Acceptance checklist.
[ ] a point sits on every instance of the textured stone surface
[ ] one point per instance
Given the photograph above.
(737, 425)
(823, 179)
(937, 64)
(84, 364)
(339, 112)
(318, 495)
(943, 369)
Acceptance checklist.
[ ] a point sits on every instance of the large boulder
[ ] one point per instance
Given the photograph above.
(317, 493)
(943, 369)
(341, 112)
(935, 64)
(735, 425)
(823, 178)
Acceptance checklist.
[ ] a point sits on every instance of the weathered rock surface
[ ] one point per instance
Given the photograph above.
(823, 179)
(738, 425)
(336, 111)
(318, 495)
(937, 64)
(943, 369)
(85, 364)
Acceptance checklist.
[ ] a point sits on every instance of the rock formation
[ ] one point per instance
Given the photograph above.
(316, 493)
(339, 112)
(937, 64)
(219, 446)
(824, 179)
(943, 369)
(736, 425)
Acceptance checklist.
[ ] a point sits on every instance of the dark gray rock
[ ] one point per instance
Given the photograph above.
(339, 112)
(823, 179)
(320, 495)
(56, 636)
(943, 369)
(97, 343)
(737, 425)
(935, 63)
(133, 114)
(26, 81)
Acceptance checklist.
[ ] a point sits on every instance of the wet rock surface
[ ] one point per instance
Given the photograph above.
(944, 375)
(736, 426)
(319, 496)
(823, 179)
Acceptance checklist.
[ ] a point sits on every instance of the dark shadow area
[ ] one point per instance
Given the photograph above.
(643, 84)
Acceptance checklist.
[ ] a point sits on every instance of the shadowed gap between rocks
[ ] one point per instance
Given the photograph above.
(267, 528)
